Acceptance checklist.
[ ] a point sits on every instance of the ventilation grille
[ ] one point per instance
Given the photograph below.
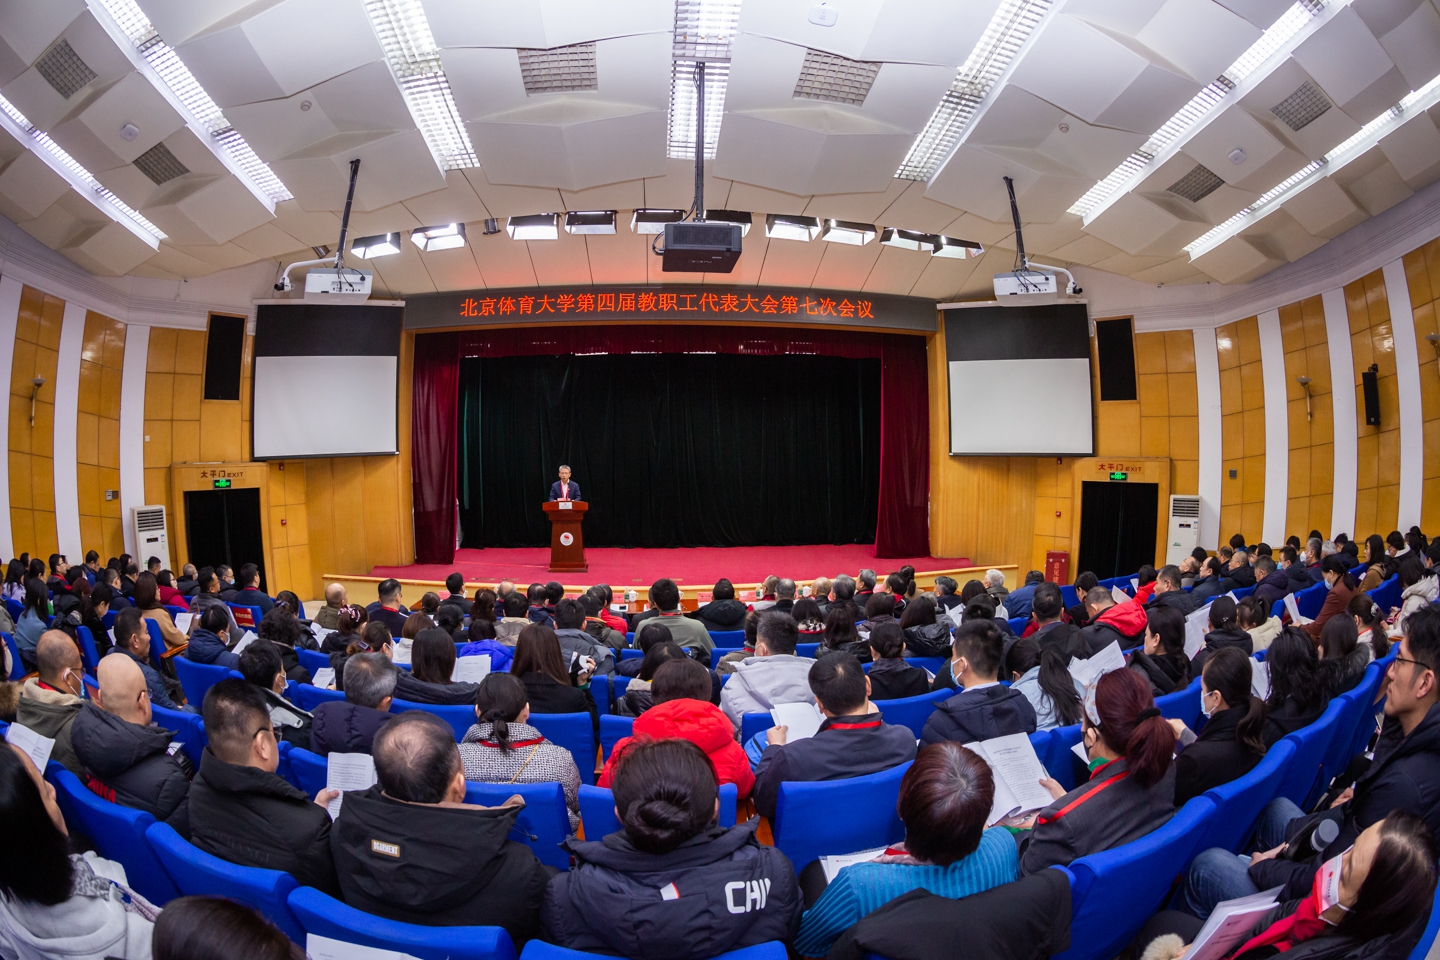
(559, 69)
(149, 518)
(1197, 184)
(160, 165)
(63, 69)
(1184, 506)
(824, 76)
(1303, 106)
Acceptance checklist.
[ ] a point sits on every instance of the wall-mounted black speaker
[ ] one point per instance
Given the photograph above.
(224, 348)
(1115, 348)
(1370, 383)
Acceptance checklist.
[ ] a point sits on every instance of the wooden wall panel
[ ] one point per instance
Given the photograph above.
(32, 449)
(1377, 503)
(1312, 435)
(1422, 274)
(1242, 429)
(97, 436)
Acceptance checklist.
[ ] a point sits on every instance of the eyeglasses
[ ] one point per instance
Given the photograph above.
(268, 728)
(1418, 663)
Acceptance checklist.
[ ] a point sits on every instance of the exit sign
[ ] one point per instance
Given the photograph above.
(1115, 475)
(224, 484)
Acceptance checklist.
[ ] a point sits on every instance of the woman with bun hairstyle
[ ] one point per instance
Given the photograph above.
(1224, 632)
(671, 884)
(1131, 790)
(1253, 616)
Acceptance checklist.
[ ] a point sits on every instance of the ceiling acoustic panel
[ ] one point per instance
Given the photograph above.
(835, 79)
(559, 69)
(63, 69)
(1306, 105)
(1196, 185)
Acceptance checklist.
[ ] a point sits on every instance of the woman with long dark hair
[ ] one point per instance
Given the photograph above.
(541, 667)
(1297, 693)
(432, 661)
(34, 620)
(147, 601)
(1379, 565)
(1342, 660)
(1232, 740)
(1369, 626)
(807, 614)
(638, 696)
(841, 636)
(1336, 571)
(926, 634)
(1419, 587)
(214, 928)
(1042, 676)
(1162, 661)
(14, 581)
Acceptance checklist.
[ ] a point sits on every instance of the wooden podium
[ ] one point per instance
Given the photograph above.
(567, 543)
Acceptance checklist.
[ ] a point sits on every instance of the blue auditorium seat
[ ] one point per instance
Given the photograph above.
(1018, 624)
(1311, 599)
(806, 649)
(573, 731)
(197, 873)
(1387, 595)
(327, 917)
(309, 770)
(912, 711)
(753, 723)
(313, 660)
(157, 642)
(117, 832)
(246, 617)
(17, 668)
(89, 651)
(16, 609)
(1239, 802)
(539, 950)
(806, 826)
(188, 728)
(727, 638)
(1427, 939)
(613, 729)
(1357, 702)
(1182, 705)
(597, 809)
(1068, 595)
(461, 717)
(931, 664)
(1242, 592)
(198, 678)
(175, 612)
(308, 696)
(1059, 755)
(544, 822)
(1312, 743)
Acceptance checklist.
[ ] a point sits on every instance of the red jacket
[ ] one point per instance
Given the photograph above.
(700, 722)
(613, 620)
(1146, 591)
(171, 597)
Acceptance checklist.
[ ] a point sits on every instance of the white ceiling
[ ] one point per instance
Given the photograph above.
(305, 82)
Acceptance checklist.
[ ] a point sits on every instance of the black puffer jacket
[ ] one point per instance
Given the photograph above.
(418, 691)
(732, 893)
(983, 714)
(1217, 639)
(721, 615)
(1164, 673)
(344, 727)
(928, 640)
(133, 766)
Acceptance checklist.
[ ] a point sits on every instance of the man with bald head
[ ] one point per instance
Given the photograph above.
(328, 616)
(125, 758)
(50, 701)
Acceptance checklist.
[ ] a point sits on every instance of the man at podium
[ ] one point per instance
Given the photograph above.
(564, 488)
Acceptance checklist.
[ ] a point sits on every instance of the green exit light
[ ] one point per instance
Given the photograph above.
(225, 484)
(1113, 476)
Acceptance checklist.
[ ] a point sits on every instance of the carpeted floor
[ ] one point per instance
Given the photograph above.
(689, 565)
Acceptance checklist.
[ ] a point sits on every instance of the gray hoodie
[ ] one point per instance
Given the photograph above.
(760, 683)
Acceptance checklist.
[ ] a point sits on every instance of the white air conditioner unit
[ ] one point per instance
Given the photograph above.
(152, 536)
(1184, 528)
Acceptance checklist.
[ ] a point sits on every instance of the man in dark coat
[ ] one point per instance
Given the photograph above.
(985, 709)
(1111, 622)
(350, 725)
(240, 811)
(1047, 609)
(723, 612)
(1169, 593)
(1271, 583)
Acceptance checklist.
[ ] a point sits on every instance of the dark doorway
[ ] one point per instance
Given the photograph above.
(1117, 526)
(224, 526)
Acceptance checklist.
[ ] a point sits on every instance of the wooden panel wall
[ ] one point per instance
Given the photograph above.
(1311, 479)
(1377, 502)
(1242, 429)
(1169, 409)
(1422, 274)
(32, 449)
(97, 436)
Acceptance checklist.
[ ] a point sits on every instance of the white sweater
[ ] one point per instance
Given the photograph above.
(85, 927)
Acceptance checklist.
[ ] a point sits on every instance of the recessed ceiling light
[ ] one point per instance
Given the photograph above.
(740, 217)
(381, 245)
(954, 249)
(703, 31)
(446, 236)
(780, 226)
(653, 221)
(846, 231)
(910, 239)
(590, 221)
(535, 226)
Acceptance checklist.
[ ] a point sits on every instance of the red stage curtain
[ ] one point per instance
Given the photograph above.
(432, 445)
(903, 526)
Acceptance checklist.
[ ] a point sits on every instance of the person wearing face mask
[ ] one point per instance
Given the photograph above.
(1404, 775)
(984, 708)
(1371, 900)
(1224, 632)
(1163, 662)
(1231, 742)
(50, 700)
(1336, 571)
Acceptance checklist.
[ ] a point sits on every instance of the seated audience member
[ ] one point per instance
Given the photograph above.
(55, 905)
(1292, 561)
(984, 709)
(854, 739)
(550, 686)
(1238, 573)
(209, 596)
(388, 608)
(227, 580)
(1145, 577)
(785, 591)
(292, 600)
(1395, 542)
(484, 604)
(432, 661)
(33, 620)
(349, 623)
(1131, 790)
(448, 863)
(995, 586)
(774, 675)
(240, 811)
(612, 619)
(1379, 565)
(1232, 740)
(683, 711)
(808, 620)
(1377, 906)
(727, 663)
(374, 638)
(723, 612)
(350, 725)
(455, 592)
(169, 595)
(1017, 604)
(1189, 570)
(665, 603)
(537, 610)
(1297, 691)
(840, 635)
(638, 696)
(926, 634)
(1342, 661)
(133, 640)
(50, 701)
(595, 626)
(554, 593)
(1111, 622)
(1271, 583)
(1163, 661)
(290, 636)
(1041, 675)
(412, 627)
(1369, 626)
(1168, 591)
(515, 607)
(92, 618)
(820, 592)
(891, 678)
(865, 587)
(15, 577)
(1335, 571)
(1253, 616)
(328, 616)
(125, 758)
(1079, 615)
(247, 589)
(1402, 776)
(667, 799)
(261, 666)
(879, 608)
(649, 634)
(429, 604)
(147, 601)
(1207, 584)
(842, 592)
(502, 747)
(945, 597)
(209, 640)
(1223, 631)
(477, 643)
(1419, 587)
(945, 799)
(214, 928)
(1047, 611)
(575, 642)
(449, 618)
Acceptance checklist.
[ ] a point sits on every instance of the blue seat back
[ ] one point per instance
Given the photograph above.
(198, 678)
(806, 826)
(1422, 949)
(1311, 745)
(1356, 700)
(308, 696)
(753, 723)
(1182, 705)
(313, 660)
(1068, 595)
(630, 653)
(1242, 592)
(117, 832)
(543, 824)
(806, 649)
(1310, 600)
(727, 638)
(188, 728)
(109, 618)
(574, 732)
(1388, 594)
(1113, 893)
(327, 917)
(17, 667)
(197, 873)
(243, 612)
(932, 664)
(613, 729)
(912, 711)
(1239, 802)
(88, 651)
(16, 609)
(1059, 755)
(175, 611)
(539, 950)
(310, 770)
(461, 717)
(597, 809)
(157, 642)
(1018, 624)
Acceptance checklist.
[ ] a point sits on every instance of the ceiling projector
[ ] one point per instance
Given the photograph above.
(1031, 283)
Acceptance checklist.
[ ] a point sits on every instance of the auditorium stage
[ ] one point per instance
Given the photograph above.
(693, 566)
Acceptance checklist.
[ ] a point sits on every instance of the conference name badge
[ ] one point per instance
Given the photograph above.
(567, 538)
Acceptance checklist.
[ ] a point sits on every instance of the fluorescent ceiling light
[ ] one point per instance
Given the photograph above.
(653, 221)
(910, 239)
(846, 231)
(957, 249)
(779, 226)
(740, 217)
(136, 35)
(446, 236)
(590, 221)
(1273, 48)
(1012, 25)
(82, 180)
(535, 226)
(703, 31)
(378, 246)
(1359, 144)
(414, 60)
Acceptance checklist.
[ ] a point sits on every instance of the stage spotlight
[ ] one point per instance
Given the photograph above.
(653, 221)
(378, 246)
(730, 216)
(909, 239)
(536, 226)
(785, 227)
(446, 236)
(590, 221)
(846, 231)
(957, 249)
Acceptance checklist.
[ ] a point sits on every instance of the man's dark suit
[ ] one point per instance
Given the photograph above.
(555, 490)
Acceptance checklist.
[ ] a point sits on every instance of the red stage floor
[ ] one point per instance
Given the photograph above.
(687, 565)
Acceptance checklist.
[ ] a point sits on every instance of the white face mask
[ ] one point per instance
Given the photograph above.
(1205, 703)
(1327, 886)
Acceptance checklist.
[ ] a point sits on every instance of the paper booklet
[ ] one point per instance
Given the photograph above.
(1260, 678)
(324, 678)
(1018, 773)
(348, 771)
(1230, 924)
(182, 621)
(471, 669)
(1294, 611)
(1195, 631)
(1088, 672)
(36, 746)
(1135, 584)
(802, 719)
(832, 865)
(323, 948)
(1120, 596)
(245, 641)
